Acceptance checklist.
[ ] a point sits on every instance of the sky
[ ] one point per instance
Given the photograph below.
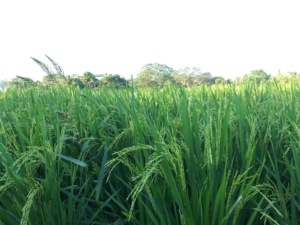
(226, 38)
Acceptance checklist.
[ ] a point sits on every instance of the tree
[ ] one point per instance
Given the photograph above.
(281, 78)
(257, 76)
(185, 76)
(20, 82)
(203, 78)
(89, 80)
(74, 82)
(114, 81)
(154, 75)
(51, 80)
(292, 74)
(218, 80)
(237, 80)
(191, 77)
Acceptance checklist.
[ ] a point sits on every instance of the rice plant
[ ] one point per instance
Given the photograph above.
(208, 155)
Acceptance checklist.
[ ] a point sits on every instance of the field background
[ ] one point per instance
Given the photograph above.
(205, 155)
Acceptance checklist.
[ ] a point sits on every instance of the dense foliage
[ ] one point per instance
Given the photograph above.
(207, 155)
(152, 75)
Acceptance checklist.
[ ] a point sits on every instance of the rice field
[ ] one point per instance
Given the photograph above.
(217, 155)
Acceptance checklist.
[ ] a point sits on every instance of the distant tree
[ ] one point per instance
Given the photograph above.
(74, 81)
(218, 80)
(237, 80)
(171, 82)
(281, 78)
(52, 80)
(257, 76)
(61, 80)
(49, 80)
(292, 74)
(229, 81)
(204, 78)
(89, 80)
(20, 83)
(114, 81)
(185, 76)
(191, 77)
(154, 75)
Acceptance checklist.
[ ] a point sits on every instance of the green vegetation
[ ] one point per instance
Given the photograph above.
(220, 154)
(152, 75)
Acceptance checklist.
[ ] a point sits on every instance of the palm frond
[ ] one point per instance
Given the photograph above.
(43, 66)
(58, 69)
(25, 78)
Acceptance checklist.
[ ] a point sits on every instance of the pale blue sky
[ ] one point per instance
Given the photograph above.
(227, 38)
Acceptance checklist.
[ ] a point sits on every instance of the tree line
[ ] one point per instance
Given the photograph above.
(152, 75)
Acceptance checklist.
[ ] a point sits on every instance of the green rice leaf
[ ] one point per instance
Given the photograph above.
(75, 161)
